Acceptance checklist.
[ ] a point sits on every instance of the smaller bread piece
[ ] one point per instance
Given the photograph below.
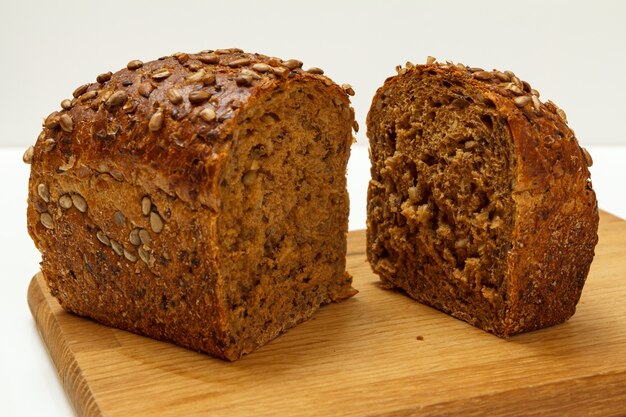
(480, 202)
(199, 198)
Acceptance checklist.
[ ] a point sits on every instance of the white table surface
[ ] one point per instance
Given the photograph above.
(29, 385)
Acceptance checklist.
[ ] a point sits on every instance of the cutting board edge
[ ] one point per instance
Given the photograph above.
(68, 369)
(542, 399)
(552, 398)
(604, 392)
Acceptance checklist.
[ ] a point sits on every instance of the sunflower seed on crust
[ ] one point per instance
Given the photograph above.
(79, 202)
(104, 239)
(521, 101)
(156, 222)
(66, 122)
(587, 155)
(46, 220)
(28, 155)
(65, 201)
(156, 121)
(134, 64)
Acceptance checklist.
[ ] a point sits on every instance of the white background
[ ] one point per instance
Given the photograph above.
(573, 52)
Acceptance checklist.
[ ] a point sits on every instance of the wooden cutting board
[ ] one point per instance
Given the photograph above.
(378, 353)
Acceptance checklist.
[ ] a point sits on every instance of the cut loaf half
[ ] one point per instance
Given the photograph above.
(200, 198)
(480, 202)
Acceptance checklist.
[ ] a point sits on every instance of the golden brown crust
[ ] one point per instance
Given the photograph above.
(159, 131)
(147, 128)
(555, 209)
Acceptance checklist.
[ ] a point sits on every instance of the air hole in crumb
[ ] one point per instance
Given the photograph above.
(258, 151)
(391, 138)
(487, 120)
(460, 103)
(489, 103)
(428, 159)
(412, 168)
(404, 123)
(273, 116)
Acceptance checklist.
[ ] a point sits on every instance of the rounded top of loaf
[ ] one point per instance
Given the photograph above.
(538, 128)
(175, 115)
(504, 83)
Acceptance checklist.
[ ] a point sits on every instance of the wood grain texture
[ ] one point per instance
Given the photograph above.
(362, 357)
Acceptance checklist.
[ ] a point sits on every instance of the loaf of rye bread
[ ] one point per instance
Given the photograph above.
(480, 202)
(200, 198)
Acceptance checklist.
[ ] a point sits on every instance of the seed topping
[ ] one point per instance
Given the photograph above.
(134, 64)
(514, 89)
(117, 99)
(144, 237)
(145, 89)
(144, 255)
(156, 222)
(65, 201)
(280, 71)
(52, 121)
(48, 145)
(209, 59)
(587, 155)
(134, 237)
(240, 62)
(117, 248)
(261, 67)
(243, 80)
(250, 73)
(502, 76)
(521, 101)
(80, 90)
(129, 255)
(146, 205)
(181, 57)
(130, 106)
(348, 89)
(46, 220)
(196, 76)
(174, 95)
(89, 95)
(43, 192)
(198, 97)
(315, 70)
(66, 122)
(161, 74)
(536, 103)
(483, 75)
(69, 164)
(249, 177)
(119, 218)
(208, 79)
(28, 155)
(292, 64)
(104, 239)
(66, 104)
(79, 202)
(156, 121)
(208, 115)
(104, 77)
